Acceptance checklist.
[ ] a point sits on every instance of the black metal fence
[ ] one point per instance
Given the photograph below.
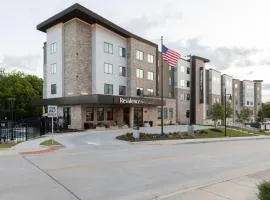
(19, 132)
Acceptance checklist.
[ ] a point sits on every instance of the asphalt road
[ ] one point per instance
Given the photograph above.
(112, 170)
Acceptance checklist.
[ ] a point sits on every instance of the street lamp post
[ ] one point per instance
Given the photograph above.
(225, 110)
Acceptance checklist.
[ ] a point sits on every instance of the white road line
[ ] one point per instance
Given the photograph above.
(93, 143)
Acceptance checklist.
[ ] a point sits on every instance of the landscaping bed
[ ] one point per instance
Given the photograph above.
(206, 133)
(50, 142)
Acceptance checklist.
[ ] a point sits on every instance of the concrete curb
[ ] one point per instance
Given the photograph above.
(201, 141)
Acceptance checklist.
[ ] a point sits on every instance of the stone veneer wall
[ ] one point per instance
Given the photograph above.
(77, 58)
(76, 117)
(133, 64)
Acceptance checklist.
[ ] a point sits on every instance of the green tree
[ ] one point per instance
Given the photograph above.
(216, 113)
(229, 110)
(24, 88)
(244, 115)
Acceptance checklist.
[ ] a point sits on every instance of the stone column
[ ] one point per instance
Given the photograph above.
(131, 116)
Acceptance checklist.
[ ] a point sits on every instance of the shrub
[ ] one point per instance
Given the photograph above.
(216, 130)
(203, 131)
(264, 190)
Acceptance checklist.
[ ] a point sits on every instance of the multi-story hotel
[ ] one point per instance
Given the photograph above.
(99, 74)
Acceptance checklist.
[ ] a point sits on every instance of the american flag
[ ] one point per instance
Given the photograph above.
(170, 56)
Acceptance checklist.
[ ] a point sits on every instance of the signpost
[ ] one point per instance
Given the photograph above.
(52, 112)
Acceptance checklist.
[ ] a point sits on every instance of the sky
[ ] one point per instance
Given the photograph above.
(233, 34)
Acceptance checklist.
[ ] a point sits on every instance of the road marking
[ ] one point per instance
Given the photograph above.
(93, 143)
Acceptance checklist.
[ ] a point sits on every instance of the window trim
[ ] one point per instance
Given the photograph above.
(119, 50)
(109, 44)
(55, 89)
(122, 71)
(151, 56)
(109, 64)
(141, 70)
(125, 93)
(141, 53)
(149, 75)
(107, 84)
(52, 67)
(53, 48)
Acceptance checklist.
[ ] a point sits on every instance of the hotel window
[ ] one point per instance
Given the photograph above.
(188, 70)
(53, 68)
(122, 71)
(53, 88)
(100, 114)
(170, 68)
(139, 55)
(187, 114)
(89, 114)
(53, 48)
(139, 73)
(109, 113)
(182, 97)
(170, 113)
(165, 114)
(150, 58)
(247, 102)
(188, 84)
(150, 92)
(235, 85)
(182, 68)
(187, 97)
(122, 52)
(159, 113)
(150, 75)
(170, 81)
(108, 48)
(108, 68)
(139, 91)
(122, 90)
(108, 88)
(182, 83)
(236, 102)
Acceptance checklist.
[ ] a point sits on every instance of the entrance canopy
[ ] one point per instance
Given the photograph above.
(100, 99)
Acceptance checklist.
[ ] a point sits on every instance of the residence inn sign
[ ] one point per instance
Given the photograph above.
(137, 101)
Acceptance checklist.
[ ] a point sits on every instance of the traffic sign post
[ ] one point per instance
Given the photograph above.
(52, 112)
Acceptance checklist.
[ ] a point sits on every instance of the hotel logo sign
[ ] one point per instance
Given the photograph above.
(131, 101)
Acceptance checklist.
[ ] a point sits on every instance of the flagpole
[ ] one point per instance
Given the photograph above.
(161, 88)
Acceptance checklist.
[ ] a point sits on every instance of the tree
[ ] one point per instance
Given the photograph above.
(24, 88)
(229, 110)
(244, 115)
(216, 113)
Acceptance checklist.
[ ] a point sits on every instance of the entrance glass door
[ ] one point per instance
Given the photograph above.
(138, 116)
(126, 116)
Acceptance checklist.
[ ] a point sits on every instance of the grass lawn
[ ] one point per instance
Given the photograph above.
(215, 133)
(206, 133)
(50, 142)
(7, 145)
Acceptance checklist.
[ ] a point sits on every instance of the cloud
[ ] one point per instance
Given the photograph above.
(221, 57)
(29, 63)
(143, 25)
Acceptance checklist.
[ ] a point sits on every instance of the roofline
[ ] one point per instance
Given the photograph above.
(201, 58)
(227, 75)
(214, 70)
(84, 14)
(258, 81)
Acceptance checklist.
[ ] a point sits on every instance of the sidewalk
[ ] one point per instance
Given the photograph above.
(244, 188)
(204, 140)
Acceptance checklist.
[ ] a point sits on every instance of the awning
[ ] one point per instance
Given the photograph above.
(100, 99)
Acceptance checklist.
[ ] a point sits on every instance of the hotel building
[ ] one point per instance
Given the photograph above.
(101, 75)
